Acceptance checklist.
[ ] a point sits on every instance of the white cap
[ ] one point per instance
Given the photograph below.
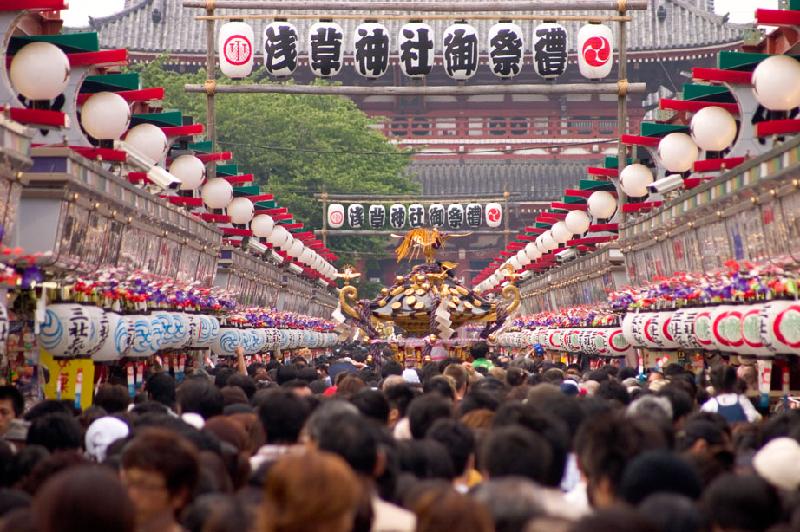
(778, 462)
(102, 433)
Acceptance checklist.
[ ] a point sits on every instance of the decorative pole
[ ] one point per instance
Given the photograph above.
(622, 103)
(210, 85)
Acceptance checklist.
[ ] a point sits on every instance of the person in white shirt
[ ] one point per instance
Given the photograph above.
(735, 407)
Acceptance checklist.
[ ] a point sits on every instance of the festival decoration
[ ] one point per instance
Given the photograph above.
(397, 216)
(105, 116)
(416, 49)
(635, 179)
(678, 152)
(149, 141)
(713, 129)
(39, 71)
(550, 50)
(377, 216)
(460, 51)
(776, 83)
(240, 210)
(280, 48)
(355, 215)
(506, 44)
(595, 51)
(494, 215)
(235, 49)
(325, 48)
(335, 215)
(189, 169)
(371, 45)
(217, 193)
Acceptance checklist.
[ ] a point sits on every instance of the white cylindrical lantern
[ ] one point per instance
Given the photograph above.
(236, 49)
(523, 258)
(713, 129)
(397, 216)
(240, 210)
(371, 49)
(506, 46)
(577, 222)
(460, 51)
(325, 48)
(752, 325)
(189, 169)
(206, 332)
(148, 140)
(335, 215)
(140, 327)
(532, 251)
(514, 263)
(415, 49)
(296, 249)
(287, 243)
(307, 257)
(561, 234)
(634, 180)
(71, 330)
(278, 236)
(776, 83)
(39, 71)
(262, 225)
(118, 341)
(280, 48)
(779, 330)
(494, 215)
(595, 51)
(355, 215)
(217, 193)
(226, 343)
(602, 204)
(726, 328)
(105, 115)
(455, 216)
(550, 50)
(678, 152)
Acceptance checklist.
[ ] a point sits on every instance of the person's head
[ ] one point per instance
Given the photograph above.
(399, 396)
(112, 397)
(457, 438)
(216, 512)
(442, 508)
(83, 498)
(651, 406)
(11, 406)
(723, 379)
(282, 414)
(313, 491)
(102, 433)
(349, 436)
(349, 386)
(424, 410)
(513, 451)
(672, 513)
(516, 376)
(55, 432)
(614, 519)
(245, 382)
(460, 377)
(739, 503)
(160, 470)
(425, 459)
(479, 350)
(512, 502)
(233, 395)
(161, 388)
(658, 472)
(605, 445)
(372, 404)
(391, 367)
(200, 396)
(441, 385)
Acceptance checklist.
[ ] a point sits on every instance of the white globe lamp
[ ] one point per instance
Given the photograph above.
(189, 169)
(678, 152)
(548, 242)
(262, 225)
(776, 83)
(523, 258)
(217, 193)
(241, 210)
(105, 116)
(713, 129)
(561, 234)
(149, 141)
(39, 71)
(634, 180)
(296, 249)
(278, 235)
(602, 204)
(577, 222)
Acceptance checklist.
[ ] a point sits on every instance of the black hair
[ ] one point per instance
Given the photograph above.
(55, 432)
(426, 409)
(161, 388)
(613, 390)
(244, 382)
(441, 385)
(286, 373)
(425, 458)
(399, 397)
(479, 350)
(112, 397)
(222, 375)
(673, 513)
(659, 471)
(200, 396)
(12, 394)
(516, 452)
(282, 414)
(682, 404)
(724, 379)
(347, 435)
(516, 376)
(457, 439)
(372, 404)
(614, 519)
(734, 502)
(391, 367)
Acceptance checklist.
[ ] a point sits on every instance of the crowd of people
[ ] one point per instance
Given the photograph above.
(345, 443)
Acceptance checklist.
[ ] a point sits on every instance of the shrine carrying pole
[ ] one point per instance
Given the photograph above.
(438, 7)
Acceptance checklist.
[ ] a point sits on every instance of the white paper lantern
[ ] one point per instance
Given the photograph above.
(523, 258)
(532, 251)
(635, 179)
(241, 210)
(118, 341)
(189, 169)
(681, 328)
(335, 215)
(514, 263)
(236, 49)
(69, 330)
(325, 48)
(105, 115)
(162, 321)
(307, 257)
(148, 140)
(776, 83)
(595, 51)
(4, 323)
(217, 193)
(460, 51)
(455, 216)
(560, 232)
(678, 152)
(752, 325)
(548, 242)
(280, 48)
(141, 327)
(415, 49)
(726, 328)
(780, 327)
(371, 49)
(296, 249)
(39, 71)
(506, 47)
(287, 243)
(397, 216)
(262, 225)
(550, 50)
(577, 222)
(494, 215)
(355, 215)
(602, 204)
(226, 343)
(540, 246)
(713, 129)
(207, 331)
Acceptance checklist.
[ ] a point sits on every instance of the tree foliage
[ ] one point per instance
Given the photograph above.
(296, 145)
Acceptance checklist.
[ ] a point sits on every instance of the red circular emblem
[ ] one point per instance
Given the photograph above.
(336, 217)
(494, 215)
(238, 50)
(596, 51)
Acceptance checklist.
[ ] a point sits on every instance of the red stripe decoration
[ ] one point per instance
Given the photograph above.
(737, 77)
(693, 106)
(527, 238)
(281, 217)
(292, 227)
(604, 172)
(216, 156)
(231, 231)
(691, 182)
(604, 227)
(570, 206)
(507, 254)
(261, 197)
(106, 154)
(273, 212)
(238, 180)
(714, 165)
(778, 17)
(180, 200)
(572, 193)
(139, 95)
(138, 177)
(777, 127)
(641, 207)
(316, 245)
(34, 5)
(39, 117)
(515, 246)
(102, 58)
(180, 131)
(589, 240)
(213, 218)
(639, 140)
(308, 235)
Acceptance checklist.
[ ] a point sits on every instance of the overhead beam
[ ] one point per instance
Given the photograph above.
(386, 232)
(437, 7)
(455, 90)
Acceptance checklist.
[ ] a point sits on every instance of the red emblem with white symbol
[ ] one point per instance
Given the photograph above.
(238, 49)
(596, 51)
(494, 215)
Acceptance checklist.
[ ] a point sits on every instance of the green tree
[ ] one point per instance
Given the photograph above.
(296, 145)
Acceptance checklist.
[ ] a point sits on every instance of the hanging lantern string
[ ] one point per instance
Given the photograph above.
(421, 16)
